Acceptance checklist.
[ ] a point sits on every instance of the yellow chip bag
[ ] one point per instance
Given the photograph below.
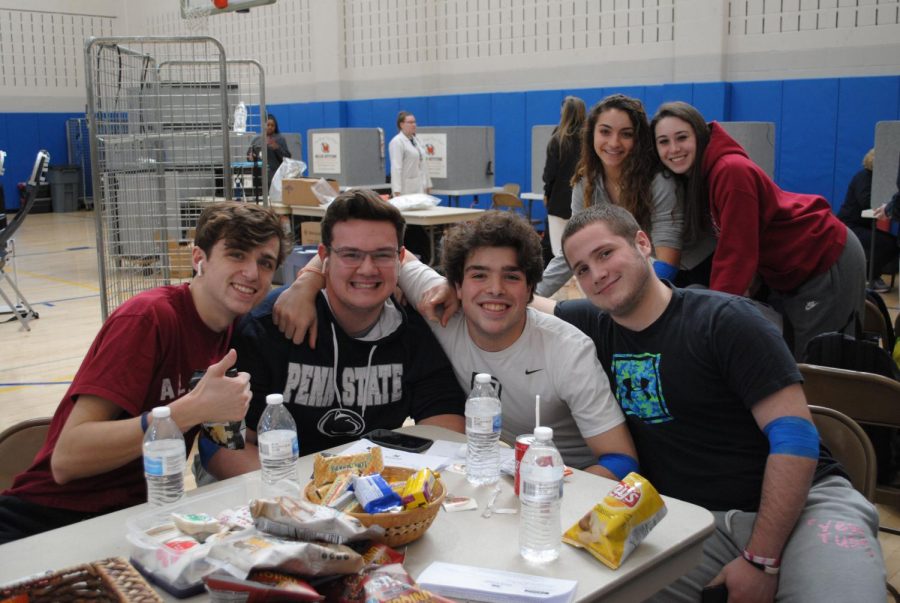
(618, 523)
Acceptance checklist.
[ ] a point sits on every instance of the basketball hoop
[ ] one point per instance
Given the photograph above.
(196, 16)
(196, 13)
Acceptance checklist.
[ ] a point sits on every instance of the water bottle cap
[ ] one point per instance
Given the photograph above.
(162, 412)
(483, 378)
(543, 434)
(274, 399)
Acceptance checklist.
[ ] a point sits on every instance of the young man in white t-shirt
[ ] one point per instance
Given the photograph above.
(493, 265)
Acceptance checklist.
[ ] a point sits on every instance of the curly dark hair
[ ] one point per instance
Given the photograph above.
(242, 225)
(639, 168)
(493, 229)
(697, 220)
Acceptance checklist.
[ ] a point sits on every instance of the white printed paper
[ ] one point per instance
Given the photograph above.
(482, 584)
(326, 152)
(435, 148)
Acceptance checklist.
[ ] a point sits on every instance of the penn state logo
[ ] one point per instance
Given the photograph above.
(340, 422)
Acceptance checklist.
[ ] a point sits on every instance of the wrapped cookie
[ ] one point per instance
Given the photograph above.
(327, 468)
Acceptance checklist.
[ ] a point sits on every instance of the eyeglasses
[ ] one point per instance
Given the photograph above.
(354, 258)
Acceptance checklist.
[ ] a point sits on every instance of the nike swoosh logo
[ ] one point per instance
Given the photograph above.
(810, 305)
(527, 372)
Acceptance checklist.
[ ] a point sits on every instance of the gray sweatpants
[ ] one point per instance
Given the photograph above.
(828, 302)
(833, 553)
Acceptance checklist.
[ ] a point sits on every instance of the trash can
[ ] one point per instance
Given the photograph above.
(297, 259)
(65, 186)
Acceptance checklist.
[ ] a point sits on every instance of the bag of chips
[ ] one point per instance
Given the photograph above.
(618, 523)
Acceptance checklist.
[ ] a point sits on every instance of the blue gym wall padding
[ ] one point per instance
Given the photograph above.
(713, 100)
(862, 102)
(808, 134)
(759, 101)
(823, 126)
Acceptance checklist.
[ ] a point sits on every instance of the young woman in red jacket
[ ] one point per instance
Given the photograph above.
(813, 266)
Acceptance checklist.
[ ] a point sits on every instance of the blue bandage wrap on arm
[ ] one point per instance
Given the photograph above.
(664, 270)
(619, 465)
(793, 435)
(206, 448)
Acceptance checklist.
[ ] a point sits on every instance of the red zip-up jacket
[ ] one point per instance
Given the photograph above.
(785, 237)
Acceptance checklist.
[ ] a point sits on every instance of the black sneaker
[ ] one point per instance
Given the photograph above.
(879, 286)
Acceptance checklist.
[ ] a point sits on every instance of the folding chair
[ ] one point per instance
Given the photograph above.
(509, 200)
(850, 446)
(866, 398)
(38, 176)
(19, 444)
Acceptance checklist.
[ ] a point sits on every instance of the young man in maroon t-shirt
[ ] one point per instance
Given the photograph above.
(143, 357)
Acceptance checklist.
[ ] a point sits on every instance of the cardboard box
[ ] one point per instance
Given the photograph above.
(181, 264)
(298, 191)
(180, 256)
(310, 233)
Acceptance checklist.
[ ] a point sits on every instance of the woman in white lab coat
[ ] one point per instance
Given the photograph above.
(409, 173)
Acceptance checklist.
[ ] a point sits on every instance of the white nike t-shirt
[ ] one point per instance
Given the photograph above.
(551, 358)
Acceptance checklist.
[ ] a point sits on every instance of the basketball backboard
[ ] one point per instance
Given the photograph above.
(192, 8)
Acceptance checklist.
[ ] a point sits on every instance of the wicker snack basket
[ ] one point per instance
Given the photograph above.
(399, 528)
(107, 580)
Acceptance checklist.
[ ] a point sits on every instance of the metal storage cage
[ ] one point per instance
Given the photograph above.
(246, 84)
(160, 111)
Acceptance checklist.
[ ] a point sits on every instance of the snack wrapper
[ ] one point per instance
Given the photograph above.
(302, 520)
(253, 549)
(338, 487)
(419, 489)
(349, 589)
(260, 585)
(375, 495)
(327, 468)
(199, 525)
(388, 583)
(617, 524)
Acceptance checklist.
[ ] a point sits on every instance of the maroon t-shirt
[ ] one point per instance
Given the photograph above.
(143, 357)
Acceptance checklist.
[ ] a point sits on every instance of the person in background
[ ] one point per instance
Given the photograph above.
(409, 174)
(276, 147)
(377, 362)
(618, 165)
(891, 209)
(859, 198)
(714, 403)
(563, 152)
(143, 357)
(812, 264)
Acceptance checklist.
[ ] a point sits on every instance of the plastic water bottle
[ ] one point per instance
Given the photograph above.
(276, 437)
(540, 498)
(240, 117)
(483, 422)
(164, 459)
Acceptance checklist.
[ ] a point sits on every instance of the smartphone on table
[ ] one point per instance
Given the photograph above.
(398, 441)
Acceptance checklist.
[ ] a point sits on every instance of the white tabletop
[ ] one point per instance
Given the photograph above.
(460, 192)
(416, 217)
(381, 186)
(532, 196)
(278, 208)
(672, 548)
